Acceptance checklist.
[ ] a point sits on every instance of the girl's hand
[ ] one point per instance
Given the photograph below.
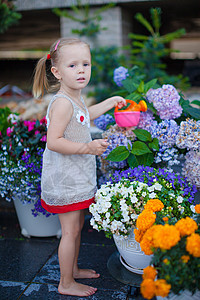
(117, 101)
(97, 147)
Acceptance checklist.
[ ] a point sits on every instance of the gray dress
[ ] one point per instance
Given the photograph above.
(69, 179)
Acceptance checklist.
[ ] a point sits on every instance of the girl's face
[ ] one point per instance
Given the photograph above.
(74, 67)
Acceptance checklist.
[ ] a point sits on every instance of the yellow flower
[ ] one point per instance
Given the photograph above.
(147, 288)
(185, 258)
(166, 237)
(145, 220)
(193, 244)
(154, 205)
(197, 208)
(186, 226)
(138, 235)
(162, 288)
(149, 273)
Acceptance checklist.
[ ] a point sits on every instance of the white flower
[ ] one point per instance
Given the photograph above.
(157, 186)
(134, 199)
(152, 195)
(192, 207)
(81, 118)
(179, 199)
(151, 188)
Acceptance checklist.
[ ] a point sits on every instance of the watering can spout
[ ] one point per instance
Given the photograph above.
(141, 106)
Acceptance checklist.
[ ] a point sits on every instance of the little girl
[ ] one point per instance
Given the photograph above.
(68, 180)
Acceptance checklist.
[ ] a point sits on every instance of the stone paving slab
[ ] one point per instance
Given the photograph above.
(23, 259)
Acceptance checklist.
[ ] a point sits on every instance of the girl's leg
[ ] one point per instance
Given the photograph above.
(82, 273)
(71, 227)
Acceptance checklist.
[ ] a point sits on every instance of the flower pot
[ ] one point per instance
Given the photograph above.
(39, 226)
(131, 255)
(185, 295)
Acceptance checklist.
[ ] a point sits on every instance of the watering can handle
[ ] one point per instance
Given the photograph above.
(141, 106)
(127, 101)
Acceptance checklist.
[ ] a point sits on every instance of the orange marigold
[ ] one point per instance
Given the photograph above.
(185, 258)
(149, 273)
(145, 220)
(162, 288)
(186, 226)
(146, 243)
(197, 208)
(166, 261)
(138, 235)
(154, 205)
(165, 219)
(166, 236)
(193, 244)
(147, 288)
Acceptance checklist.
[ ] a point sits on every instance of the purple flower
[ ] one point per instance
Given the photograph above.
(165, 132)
(146, 120)
(151, 175)
(189, 135)
(120, 74)
(103, 121)
(166, 101)
(115, 140)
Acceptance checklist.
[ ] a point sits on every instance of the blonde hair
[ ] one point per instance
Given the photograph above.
(43, 78)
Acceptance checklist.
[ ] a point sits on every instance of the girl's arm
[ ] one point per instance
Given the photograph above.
(60, 115)
(99, 109)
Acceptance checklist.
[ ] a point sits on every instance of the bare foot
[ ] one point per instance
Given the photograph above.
(77, 289)
(85, 273)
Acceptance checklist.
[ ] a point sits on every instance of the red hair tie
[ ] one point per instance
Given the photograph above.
(48, 56)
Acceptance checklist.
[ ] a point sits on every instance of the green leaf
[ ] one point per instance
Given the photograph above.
(143, 135)
(196, 102)
(128, 85)
(154, 144)
(134, 96)
(150, 84)
(141, 87)
(137, 44)
(140, 148)
(138, 36)
(132, 161)
(145, 160)
(194, 112)
(120, 153)
(173, 35)
(144, 21)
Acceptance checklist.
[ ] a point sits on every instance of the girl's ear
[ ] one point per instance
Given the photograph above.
(56, 73)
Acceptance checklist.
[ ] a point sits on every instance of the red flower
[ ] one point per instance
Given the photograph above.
(81, 118)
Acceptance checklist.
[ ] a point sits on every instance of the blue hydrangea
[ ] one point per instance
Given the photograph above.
(120, 74)
(114, 141)
(103, 121)
(166, 101)
(165, 132)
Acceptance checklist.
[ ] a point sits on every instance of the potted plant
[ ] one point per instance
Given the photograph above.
(175, 250)
(22, 145)
(123, 198)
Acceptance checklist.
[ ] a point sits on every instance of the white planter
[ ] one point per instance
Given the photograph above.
(40, 226)
(131, 255)
(185, 295)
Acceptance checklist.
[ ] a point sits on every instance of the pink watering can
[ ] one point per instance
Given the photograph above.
(131, 115)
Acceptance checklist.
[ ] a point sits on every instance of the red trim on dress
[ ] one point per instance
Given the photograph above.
(60, 209)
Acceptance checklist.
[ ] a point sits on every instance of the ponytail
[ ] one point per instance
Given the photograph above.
(40, 82)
